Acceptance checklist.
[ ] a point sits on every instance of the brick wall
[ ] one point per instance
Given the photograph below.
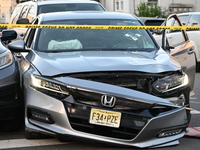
(6, 9)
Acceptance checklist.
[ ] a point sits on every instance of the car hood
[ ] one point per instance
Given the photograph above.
(81, 85)
(51, 64)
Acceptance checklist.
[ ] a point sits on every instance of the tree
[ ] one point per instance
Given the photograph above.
(150, 10)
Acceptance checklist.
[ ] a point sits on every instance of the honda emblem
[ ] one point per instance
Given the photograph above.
(108, 101)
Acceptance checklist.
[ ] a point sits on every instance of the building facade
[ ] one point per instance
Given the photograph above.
(6, 9)
(130, 6)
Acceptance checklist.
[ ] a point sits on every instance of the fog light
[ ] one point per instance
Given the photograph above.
(170, 133)
(40, 116)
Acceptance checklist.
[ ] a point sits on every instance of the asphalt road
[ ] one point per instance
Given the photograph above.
(17, 140)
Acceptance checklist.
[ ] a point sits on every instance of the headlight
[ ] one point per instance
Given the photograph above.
(171, 82)
(6, 59)
(49, 88)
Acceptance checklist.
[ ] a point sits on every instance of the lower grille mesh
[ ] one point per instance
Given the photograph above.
(79, 119)
(7, 94)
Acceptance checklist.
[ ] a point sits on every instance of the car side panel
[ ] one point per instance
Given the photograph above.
(185, 56)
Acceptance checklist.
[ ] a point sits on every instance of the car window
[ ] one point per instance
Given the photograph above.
(28, 38)
(69, 7)
(23, 12)
(184, 19)
(152, 21)
(95, 39)
(180, 37)
(15, 14)
(194, 20)
(170, 22)
(31, 15)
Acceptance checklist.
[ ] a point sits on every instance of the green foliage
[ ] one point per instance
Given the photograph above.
(150, 10)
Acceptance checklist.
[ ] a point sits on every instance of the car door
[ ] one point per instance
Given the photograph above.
(194, 20)
(23, 63)
(23, 14)
(180, 47)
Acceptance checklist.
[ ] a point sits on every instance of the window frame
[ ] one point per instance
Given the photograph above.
(24, 11)
(187, 19)
(33, 15)
(29, 36)
(119, 5)
(176, 18)
(191, 16)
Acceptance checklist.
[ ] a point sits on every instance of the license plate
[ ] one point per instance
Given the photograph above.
(105, 118)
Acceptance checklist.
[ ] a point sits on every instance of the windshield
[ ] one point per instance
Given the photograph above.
(94, 39)
(69, 7)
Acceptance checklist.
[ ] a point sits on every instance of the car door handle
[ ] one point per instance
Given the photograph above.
(194, 24)
(191, 51)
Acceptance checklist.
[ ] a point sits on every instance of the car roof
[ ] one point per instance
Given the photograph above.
(85, 15)
(188, 13)
(45, 2)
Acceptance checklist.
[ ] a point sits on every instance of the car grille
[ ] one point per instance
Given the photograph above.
(79, 115)
(132, 111)
(8, 94)
(132, 80)
(94, 99)
(9, 103)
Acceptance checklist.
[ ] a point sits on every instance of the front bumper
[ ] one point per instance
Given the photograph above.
(69, 118)
(9, 88)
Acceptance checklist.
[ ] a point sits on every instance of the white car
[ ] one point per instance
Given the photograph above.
(30, 9)
(178, 36)
(193, 19)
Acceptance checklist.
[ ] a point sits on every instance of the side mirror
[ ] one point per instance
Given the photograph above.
(168, 48)
(22, 21)
(17, 46)
(8, 35)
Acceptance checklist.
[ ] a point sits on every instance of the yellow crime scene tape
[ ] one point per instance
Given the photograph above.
(99, 27)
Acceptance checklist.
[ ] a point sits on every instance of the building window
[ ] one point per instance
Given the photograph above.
(122, 5)
(180, 8)
(152, 1)
(119, 5)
